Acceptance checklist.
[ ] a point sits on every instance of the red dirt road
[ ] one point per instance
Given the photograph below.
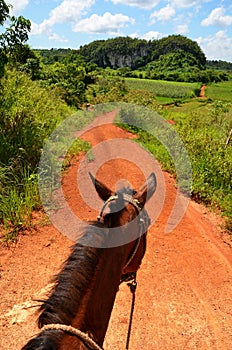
(183, 299)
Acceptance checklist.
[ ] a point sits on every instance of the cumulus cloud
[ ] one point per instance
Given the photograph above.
(69, 11)
(149, 4)
(108, 23)
(217, 18)
(18, 5)
(56, 37)
(217, 47)
(187, 3)
(164, 14)
(152, 35)
(182, 29)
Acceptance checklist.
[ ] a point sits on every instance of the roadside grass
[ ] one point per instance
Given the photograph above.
(18, 200)
(203, 127)
(28, 116)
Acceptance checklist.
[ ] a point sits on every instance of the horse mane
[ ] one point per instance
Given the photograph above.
(77, 273)
(74, 279)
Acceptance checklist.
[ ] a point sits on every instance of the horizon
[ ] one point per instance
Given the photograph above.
(69, 24)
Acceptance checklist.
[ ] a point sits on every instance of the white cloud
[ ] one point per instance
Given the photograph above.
(69, 11)
(56, 37)
(18, 5)
(108, 23)
(164, 14)
(187, 3)
(182, 29)
(217, 18)
(149, 4)
(217, 47)
(148, 36)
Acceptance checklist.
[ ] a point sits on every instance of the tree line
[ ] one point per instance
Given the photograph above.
(175, 58)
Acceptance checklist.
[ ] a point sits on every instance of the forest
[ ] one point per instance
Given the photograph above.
(40, 88)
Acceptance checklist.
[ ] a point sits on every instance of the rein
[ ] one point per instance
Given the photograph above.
(85, 337)
(75, 332)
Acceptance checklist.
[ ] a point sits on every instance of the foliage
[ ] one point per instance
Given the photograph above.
(4, 11)
(220, 65)
(69, 78)
(14, 38)
(28, 115)
(106, 90)
(54, 55)
(117, 52)
(178, 43)
(204, 132)
(204, 129)
(133, 53)
(18, 198)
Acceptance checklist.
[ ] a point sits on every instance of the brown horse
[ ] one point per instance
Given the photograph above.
(85, 289)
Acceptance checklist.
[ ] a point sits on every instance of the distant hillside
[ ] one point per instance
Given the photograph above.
(134, 53)
(117, 53)
(174, 58)
(220, 65)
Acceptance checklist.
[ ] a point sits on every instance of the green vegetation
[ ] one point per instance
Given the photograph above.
(173, 58)
(28, 114)
(221, 91)
(135, 53)
(204, 127)
(164, 88)
(40, 89)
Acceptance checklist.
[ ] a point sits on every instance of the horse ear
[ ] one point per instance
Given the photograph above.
(147, 190)
(103, 191)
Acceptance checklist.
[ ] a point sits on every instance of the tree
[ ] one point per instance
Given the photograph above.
(13, 40)
(4, 11)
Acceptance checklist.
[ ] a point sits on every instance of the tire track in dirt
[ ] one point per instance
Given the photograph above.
(183, 299)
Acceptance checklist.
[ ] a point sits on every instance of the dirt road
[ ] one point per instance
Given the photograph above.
(183, 299)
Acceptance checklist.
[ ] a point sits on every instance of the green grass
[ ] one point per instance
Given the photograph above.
(17, 202)
(176, 90)
(28, 116)
(203, 127)
(220, 91)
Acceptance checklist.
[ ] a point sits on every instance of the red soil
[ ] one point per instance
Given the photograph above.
(183, 299)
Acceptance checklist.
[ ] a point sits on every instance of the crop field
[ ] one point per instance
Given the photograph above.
(220, 91)
(164, 88)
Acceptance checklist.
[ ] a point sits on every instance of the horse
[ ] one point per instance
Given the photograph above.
(84, 290)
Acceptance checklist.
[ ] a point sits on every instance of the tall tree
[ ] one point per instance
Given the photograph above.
(4, 11)
(13, 40)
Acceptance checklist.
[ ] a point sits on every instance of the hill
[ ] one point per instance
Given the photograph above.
(135, 53)
(173, 58)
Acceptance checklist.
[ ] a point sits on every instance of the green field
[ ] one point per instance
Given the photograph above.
(204, 126)
(167, 89)
(221, 91)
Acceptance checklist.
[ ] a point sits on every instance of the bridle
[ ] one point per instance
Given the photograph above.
(130, 277)
(126, 197)
(135, 202)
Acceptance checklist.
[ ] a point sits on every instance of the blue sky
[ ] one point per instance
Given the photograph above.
(71, 23)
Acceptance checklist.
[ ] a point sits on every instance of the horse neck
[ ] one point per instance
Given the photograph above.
(85, 290)
(97, 304)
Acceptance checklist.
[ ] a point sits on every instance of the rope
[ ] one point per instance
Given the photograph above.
(132, 286)
(76, 332)
(83, 336)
